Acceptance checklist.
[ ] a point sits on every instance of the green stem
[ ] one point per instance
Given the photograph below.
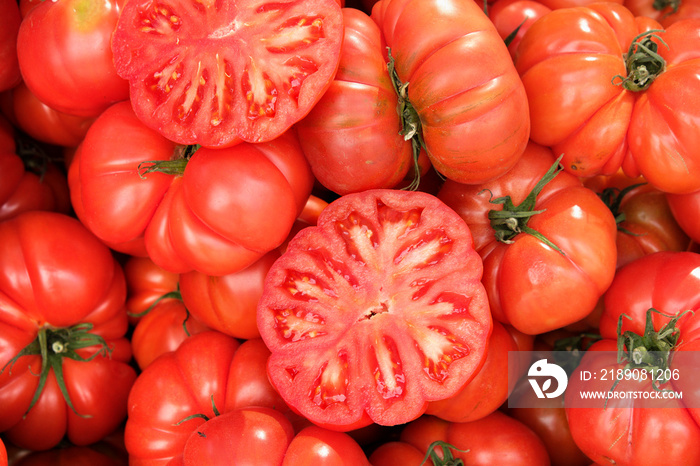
(612, 197)
(512, 220)
(411, 128)
(447, 458)
(54, 345)
(175, 166)
(642, 61)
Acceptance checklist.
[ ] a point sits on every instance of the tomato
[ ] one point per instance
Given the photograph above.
(489, 388)
(203, 376)
(685, 209)
(318, 446)
(352, 135)
(665, 12)
(145, 284)
(228, 303)
(654, 300)
(44, 123)
(3, 454)
(511, 15)
(464, 102)
(217, 211)
(10, 20)
(645, 221)
(65, 56)
(494, 439)
(29, 180)
(217, 73)
(549, 250)
(600, 111)
(79, 387)
(375, 311)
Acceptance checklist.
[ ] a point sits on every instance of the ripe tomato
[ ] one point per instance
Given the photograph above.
(464, 101)
(322, 447)
(216, 73)
(44, 123)
(3, 454)
(10, 20)
(228, 303)
(375, 311)
(352, 137)
(217, 211)
(538, 283)
(494, 439)
(203, 376)
(645, 223)
(65, 367)
(511, 15)
(665, 12)
(603, 112)
(65, 56)
(489, 388)
(29, 180)
(686, 210)
(652, 305)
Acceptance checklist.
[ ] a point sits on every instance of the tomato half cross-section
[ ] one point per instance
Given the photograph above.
(375, 311)
(215, 73)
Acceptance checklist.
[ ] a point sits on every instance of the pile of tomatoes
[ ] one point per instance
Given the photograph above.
(311, 232)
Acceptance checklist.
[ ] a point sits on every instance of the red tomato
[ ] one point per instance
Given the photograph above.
(146, 283)
(375, 311)
(511, 15)
(629, 431)
(3, 454)
(489, 388)
(10, 20)
(228, 303)
(595, 113)
(204, 374)
(217, 73)
(494, 439)
(65, 56)
(464, 100)
(322, 447)
(62, 293)
(30, 181)
(537, 284)
(352, 135)
(45, 124)
(685, 208)
(645, 221)
(665, 12)
(217, 212)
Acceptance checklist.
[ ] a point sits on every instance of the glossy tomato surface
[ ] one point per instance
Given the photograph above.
(375, 311)
(216, 73)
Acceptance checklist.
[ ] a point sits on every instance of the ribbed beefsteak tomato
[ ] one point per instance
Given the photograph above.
(375, 311)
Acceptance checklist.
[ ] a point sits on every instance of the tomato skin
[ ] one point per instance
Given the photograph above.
(463, 85)
(323, 447)
(352, 135)
(44, 123)
(600, 126)
(494, 439)
(528, 282)
(33, 296)
(649, 225)
(65, 56)
(226, 210)
(507, 15)
(228, 303)
(246, 436)
(685, 209)
(204, 371)
(219, 73)
(666, 281)
(338, 310)
(10, 20)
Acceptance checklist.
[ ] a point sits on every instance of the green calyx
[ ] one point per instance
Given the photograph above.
(612, 197)
(447, 459)
(171, 295)
(175, 166)
(652, 350)
(54, 345)
(512, 219)
(642, 61)
(660, 5)
(411, 128)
